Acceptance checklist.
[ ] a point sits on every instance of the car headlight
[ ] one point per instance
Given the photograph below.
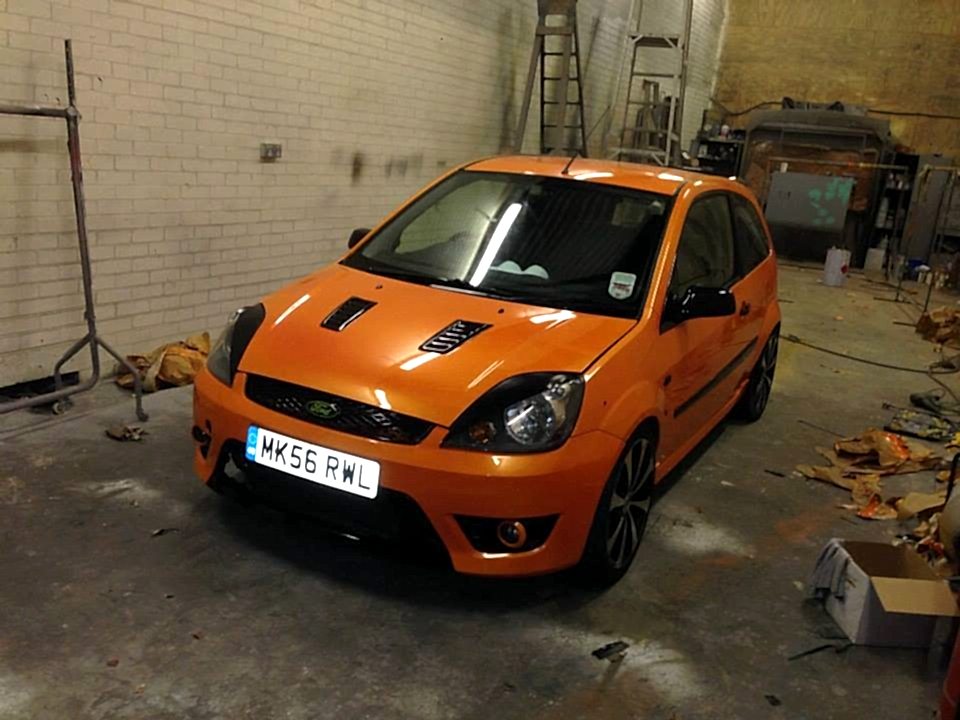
(527, 413)
(233, 341)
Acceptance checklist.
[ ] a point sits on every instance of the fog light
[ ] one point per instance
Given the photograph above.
(200, 435)
(203, 438)
(512, 533)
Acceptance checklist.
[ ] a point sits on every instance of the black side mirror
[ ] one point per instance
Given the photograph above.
(356, 236)
(701, 302)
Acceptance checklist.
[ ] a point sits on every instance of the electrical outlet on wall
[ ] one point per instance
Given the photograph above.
(269, 152)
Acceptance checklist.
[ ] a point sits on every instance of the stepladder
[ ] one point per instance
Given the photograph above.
(555, 58)
(656, 87)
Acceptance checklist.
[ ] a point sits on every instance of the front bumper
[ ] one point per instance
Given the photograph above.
(444, 483)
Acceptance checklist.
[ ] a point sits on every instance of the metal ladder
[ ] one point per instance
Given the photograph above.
(555, 124)
(653, 117)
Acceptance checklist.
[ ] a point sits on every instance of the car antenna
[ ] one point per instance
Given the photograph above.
(566, 167)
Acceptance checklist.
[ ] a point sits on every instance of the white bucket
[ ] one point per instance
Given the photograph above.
(836, 268)
(873, 265)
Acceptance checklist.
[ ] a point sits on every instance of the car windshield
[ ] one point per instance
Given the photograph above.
(544, 241)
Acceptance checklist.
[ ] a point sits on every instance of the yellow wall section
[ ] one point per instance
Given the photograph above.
(890, 54)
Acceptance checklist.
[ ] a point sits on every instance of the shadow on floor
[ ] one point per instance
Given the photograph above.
(415, 572)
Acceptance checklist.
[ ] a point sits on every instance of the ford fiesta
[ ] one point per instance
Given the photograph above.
(511, 361)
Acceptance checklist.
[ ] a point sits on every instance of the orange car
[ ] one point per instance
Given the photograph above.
(510, 361)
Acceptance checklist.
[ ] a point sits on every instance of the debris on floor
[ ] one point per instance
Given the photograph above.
(170, 365)
(921, 425)
(857, 464)
(837, 647)
(941, 326)
(614, 652)
(773, 700)
(916, 503)
(125, 433)
(932, 401)
(926, 539)
(159, 532)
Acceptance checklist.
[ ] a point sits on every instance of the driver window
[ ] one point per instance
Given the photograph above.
(462, 216)
(705, 255)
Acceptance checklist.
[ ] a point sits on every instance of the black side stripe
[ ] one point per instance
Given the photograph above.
(717, 379)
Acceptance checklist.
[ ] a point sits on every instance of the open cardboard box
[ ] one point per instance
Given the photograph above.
(892, 599)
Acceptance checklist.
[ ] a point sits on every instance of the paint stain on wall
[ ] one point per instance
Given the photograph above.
(356, 171)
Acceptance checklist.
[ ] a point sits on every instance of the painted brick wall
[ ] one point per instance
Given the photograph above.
(901, 55)
(369, 98)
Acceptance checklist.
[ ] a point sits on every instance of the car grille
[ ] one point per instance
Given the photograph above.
(351, 417)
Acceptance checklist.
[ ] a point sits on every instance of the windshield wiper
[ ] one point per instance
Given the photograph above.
(396, 273)
(486, 290)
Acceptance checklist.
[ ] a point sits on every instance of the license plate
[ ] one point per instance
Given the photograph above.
(321, 465)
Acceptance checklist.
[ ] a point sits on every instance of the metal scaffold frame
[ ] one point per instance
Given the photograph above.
(652, 127)
(71, 115)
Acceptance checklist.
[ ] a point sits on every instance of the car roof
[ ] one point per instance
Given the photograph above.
(652, 178)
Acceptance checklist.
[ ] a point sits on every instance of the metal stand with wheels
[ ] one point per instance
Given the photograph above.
(72, 117)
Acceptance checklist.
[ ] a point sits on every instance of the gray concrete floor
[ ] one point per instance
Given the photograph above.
(242, 613)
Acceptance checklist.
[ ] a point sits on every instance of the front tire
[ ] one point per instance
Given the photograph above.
(622, 514)
(757, 393)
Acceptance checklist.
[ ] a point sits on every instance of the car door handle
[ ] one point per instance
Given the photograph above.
(745, 309)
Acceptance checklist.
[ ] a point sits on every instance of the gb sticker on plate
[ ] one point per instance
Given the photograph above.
(622, 285)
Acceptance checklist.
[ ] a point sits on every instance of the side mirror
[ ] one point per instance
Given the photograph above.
(356, 236)
(701, 302)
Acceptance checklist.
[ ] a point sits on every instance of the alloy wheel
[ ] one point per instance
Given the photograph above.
(630, 503)
(766, 369)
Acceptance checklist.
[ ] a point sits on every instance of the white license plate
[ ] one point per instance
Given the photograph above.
(321, 465)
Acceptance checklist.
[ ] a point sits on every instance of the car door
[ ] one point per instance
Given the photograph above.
(756, 284)
(701, 350)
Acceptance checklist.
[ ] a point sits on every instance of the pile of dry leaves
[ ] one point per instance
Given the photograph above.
(858, 465)
(170, 365)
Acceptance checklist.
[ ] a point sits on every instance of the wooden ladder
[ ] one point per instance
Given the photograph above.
(557, 21)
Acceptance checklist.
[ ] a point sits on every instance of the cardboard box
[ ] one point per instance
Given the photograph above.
(892, 597)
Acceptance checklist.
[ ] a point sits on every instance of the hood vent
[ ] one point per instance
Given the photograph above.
(347, 313)
(453, 336)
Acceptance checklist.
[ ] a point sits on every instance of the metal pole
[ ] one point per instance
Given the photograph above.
(942, 208)
(676, 153)
(72, 117)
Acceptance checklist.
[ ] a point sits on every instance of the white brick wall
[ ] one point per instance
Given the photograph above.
(370, 99)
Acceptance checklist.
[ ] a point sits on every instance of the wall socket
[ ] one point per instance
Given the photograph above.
(270, 151)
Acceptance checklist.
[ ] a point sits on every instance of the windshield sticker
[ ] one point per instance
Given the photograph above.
(622, 285)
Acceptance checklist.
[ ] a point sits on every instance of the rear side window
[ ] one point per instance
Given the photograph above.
(751, 241)
(705, 256)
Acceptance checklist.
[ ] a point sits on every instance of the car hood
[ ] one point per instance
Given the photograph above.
(377, 358)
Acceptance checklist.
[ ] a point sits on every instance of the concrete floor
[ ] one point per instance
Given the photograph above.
(242, 613)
